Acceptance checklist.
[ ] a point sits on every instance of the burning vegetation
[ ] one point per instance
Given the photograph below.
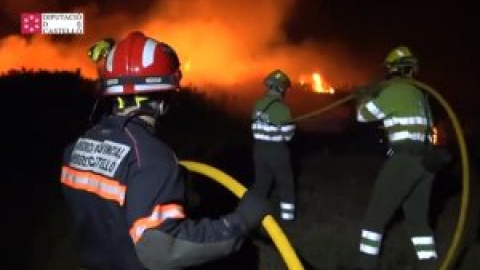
(221, 44)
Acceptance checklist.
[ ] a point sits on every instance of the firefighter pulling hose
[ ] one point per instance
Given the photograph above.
(402, 66)
(123, 184)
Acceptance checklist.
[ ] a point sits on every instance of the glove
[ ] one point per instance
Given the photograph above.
(252, 209)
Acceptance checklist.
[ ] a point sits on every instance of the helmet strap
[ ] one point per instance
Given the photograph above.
(275, 90)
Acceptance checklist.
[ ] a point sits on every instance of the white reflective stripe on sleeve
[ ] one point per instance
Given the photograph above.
(287, 206)
(287, 128)
(423, 240)
(404, 135)
(360, 117)
(425, 255)
(371, 235)
(418, 120)
(369, 249)
(373, 109)
(148, 52)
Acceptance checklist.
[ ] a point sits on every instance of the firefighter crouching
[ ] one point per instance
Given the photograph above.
(122, 183)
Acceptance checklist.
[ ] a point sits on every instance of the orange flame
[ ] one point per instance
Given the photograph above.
(319, 86)
(435, 136)
(315, 83)
(218, 44)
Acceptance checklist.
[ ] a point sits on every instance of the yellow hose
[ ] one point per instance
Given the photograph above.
(460, 227)
(324, 109)
(280, 240)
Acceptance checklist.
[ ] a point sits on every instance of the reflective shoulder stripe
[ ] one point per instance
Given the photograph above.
(360, 117)
(375, 110)
(287, 127)
(159, 214)
(101, 186)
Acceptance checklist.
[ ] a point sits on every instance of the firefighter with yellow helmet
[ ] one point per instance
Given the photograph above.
(406, 178)
(272, 129)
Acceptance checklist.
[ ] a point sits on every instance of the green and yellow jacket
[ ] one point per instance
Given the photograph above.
(272, 120)
(403, 109)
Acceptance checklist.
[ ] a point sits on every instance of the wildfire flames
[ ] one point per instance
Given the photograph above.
(220, 43)
(315, 83)
(435, 140)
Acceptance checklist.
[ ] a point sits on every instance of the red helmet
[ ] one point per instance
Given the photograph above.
(139, 65)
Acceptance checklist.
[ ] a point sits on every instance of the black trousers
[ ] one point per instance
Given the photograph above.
(403, 182)
(273, 169)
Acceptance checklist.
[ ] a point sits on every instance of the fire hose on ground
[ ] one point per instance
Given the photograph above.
(280, 240)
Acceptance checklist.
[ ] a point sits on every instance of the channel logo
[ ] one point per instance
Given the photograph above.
(51, 23)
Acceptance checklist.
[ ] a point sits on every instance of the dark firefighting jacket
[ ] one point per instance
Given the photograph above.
(126, 198)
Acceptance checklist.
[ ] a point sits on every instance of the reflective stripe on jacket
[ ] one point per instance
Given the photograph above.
(402, 108)
(121, 182)
(272, 120)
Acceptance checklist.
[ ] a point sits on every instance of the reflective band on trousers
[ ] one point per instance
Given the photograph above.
(287, 216)
(406, 135)
(425, 247)
(93, 183)
(405, 121)
(370, 243)
(287, 206)
(159, 214)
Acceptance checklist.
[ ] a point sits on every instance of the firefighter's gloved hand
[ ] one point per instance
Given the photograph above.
(252, 209)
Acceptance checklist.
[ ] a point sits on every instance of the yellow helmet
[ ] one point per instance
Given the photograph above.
(100, 49)
(401, 60)
(277, 80)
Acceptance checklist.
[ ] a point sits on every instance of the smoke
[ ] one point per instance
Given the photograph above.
(219, 42)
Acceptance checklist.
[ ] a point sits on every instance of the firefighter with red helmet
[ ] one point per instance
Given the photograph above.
(122, 183)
